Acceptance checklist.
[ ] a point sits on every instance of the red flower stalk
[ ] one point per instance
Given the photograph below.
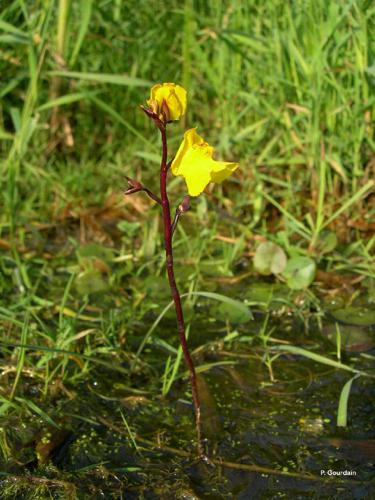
(169, 228)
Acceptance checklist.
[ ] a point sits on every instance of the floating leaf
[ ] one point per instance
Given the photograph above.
(230, 309)
(90, 281)
(271, 296)
(353, 338)
(269, 259)
(299, 272)
(228, 312)
(355, 315)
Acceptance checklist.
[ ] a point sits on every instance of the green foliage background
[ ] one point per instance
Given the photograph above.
(283, 87)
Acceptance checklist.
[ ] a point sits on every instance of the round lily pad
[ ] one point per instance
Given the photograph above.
(299, 272)
(269, 259)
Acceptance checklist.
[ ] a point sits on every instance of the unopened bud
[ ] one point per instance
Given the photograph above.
(134, 186)
(184, 205)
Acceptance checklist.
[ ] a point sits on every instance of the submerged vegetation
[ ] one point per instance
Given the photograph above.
(275, 266)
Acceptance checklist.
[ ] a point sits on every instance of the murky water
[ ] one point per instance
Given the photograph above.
(270, 430)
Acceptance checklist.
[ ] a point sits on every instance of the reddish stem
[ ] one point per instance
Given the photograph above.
(172, 283)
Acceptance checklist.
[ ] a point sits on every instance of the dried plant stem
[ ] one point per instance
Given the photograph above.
(168, 232)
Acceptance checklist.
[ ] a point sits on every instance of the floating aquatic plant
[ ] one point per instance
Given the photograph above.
(195, 164)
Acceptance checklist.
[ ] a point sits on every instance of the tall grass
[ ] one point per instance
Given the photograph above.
(290, 83)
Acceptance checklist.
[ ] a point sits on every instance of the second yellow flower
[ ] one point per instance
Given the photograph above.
(194, 162)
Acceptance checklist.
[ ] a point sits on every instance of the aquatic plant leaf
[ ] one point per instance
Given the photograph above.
(353, 338)
(342, 411)
(227, 312)
(210, 295)
(94, 250)
(299, 272)
(327, 242)
(355, 315)
(269, 259)
(233, 308)
(90, 281)
(270, 296)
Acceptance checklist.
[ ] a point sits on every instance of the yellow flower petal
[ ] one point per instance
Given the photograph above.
(188, 168)
(222, 170)
(190, 139)
(194, 162)
(174, 97)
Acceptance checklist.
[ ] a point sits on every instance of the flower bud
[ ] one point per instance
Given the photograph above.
(168, 101)
(184, 206)
(134, 186)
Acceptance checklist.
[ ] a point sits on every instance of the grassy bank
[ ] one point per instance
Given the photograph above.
(284, 88)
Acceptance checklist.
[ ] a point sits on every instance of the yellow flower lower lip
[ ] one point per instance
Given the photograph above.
(194, 162)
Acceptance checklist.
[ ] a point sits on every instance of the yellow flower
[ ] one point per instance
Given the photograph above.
(194, 162)
(168, 100)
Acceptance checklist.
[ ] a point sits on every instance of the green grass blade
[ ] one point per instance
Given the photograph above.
(106, 107)
(353, 199)
(106, 364)
(131, 435)
(67, 99)
(128, 81)
(298, 227)
(168, 381)
(34, 408)
(21, 357)
(86, 10)
(208, 366)
(215, 296)
(299, 351)
(9, 28)
(342, 411)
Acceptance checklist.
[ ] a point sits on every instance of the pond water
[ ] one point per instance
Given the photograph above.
(270, 429)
